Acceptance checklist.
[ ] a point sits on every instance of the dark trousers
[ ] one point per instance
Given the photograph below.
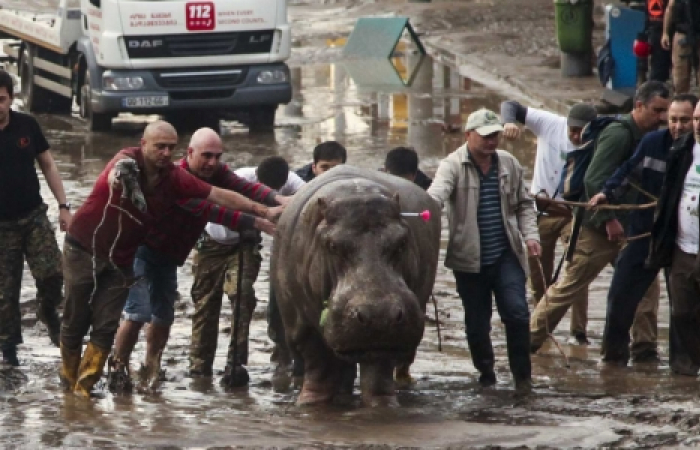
(90, 307)
(630, 282)
(660, 59)
(505, 280)
(685, 303)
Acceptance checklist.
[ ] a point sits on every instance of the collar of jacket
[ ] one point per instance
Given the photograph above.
(465, 159)
(637, 133)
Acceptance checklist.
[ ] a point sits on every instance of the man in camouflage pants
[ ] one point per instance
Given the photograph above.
(216, 271)
(25, 230)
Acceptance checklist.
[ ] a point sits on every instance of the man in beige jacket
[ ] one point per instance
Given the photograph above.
(492, 222)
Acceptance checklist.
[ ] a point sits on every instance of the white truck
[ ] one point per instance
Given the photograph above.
(194, 62)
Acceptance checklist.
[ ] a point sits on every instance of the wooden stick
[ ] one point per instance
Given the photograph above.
(598, 207)
(546, 322)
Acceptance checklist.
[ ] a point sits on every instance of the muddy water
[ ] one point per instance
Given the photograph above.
(573, 406)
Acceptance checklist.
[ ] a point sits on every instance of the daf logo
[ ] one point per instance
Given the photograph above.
(146, 43)
(259, 39)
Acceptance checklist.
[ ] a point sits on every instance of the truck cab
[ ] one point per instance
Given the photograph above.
(194, 62)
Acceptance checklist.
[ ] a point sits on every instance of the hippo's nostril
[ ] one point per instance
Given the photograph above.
(360, 317)
(398, 316)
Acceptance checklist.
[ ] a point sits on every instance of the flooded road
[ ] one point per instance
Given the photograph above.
(576, 406)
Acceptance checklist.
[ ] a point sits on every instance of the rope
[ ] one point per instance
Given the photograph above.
(94, 243)
(545, 298)
(130, 190)
(586, 205)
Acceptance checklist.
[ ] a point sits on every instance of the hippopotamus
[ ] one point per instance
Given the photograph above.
(352, 278)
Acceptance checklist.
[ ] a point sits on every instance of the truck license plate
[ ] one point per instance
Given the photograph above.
(146, 102)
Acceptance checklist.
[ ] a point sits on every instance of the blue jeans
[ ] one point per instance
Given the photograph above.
(152, 299)
(505, 280)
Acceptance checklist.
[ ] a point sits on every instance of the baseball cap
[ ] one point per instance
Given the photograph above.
(483, 121)
(581, 114)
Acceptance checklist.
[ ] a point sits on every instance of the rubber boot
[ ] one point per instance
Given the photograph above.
(70, 363)
(518, 343)
(235, 373)
(483, 359)
(119, 375)
(150, 372)
(156, 340)
(90, 370)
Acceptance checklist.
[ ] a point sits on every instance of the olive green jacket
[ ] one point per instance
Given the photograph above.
(615, 146)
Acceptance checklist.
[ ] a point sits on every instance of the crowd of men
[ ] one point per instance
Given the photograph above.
(146, 213)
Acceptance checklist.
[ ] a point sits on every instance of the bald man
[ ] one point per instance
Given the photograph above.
(166, 247)
(102, 241)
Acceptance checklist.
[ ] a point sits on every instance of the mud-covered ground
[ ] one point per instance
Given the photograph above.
(576, 406)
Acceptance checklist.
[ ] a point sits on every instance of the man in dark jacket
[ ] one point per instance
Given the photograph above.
(675, 237)
(645, 172)
(327, 155)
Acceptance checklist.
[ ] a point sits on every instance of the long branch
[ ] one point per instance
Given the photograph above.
(596, 207)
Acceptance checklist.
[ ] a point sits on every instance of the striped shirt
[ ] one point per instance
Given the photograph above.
(492, 231)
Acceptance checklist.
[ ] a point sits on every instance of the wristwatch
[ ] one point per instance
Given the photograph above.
(65, 206)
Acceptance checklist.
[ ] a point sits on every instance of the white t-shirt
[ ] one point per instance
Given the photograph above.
(688, 236)
(553, 145)
(222, 234)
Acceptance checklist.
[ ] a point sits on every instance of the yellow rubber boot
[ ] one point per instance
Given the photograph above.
(70, 363)
(91, 368)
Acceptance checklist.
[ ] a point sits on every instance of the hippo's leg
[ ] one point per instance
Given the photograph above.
(321, 372)
(377, 384)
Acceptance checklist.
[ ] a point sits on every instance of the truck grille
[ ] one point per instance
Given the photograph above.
(210, 78)
(199, 44)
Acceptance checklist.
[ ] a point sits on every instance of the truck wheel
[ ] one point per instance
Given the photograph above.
(262, 119)
(96, 121)
(59, 104)
(36, 99)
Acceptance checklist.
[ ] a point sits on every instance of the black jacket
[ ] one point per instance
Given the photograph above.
(306, 173)
(423, 180)
(665, 228)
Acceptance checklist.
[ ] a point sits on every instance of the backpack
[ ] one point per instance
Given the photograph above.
(571, 186)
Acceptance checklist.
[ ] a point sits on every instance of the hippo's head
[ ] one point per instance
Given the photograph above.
(366, 259)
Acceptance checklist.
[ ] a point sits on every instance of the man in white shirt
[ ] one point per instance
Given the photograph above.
(557, 136)
(216, 267)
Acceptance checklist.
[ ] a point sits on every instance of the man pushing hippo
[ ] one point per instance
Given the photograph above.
(136, 190)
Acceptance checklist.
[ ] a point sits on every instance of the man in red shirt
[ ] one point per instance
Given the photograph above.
(167, 246)
(102, 240)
